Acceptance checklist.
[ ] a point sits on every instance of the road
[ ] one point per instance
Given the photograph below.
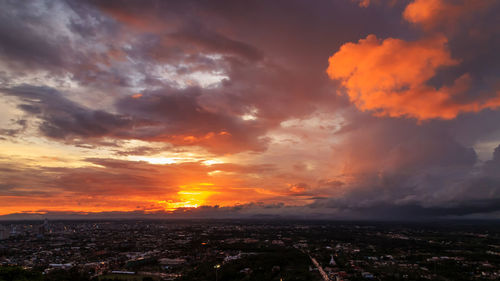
(320, 269)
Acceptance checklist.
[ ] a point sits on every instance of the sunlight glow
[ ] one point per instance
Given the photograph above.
(155, 160)
(212, 161)
(190, 196)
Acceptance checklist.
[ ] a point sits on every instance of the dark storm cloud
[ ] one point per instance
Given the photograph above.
(65, 119)
(492, 167)
(27, 47)
(214, 42)
(173, 116)
(420, 172)
(473, 39)
(419, 212)
(57, 40)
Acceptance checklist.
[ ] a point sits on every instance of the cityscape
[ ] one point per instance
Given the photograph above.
(249, 250)
(257, 140)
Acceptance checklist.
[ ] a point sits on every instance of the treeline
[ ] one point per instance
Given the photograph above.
(285, 264)
(16, 273)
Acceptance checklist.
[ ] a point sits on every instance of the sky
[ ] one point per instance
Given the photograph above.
(326, 109)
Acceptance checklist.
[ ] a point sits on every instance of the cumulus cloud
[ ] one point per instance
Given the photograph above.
(391, 77)
(431, 13)
(401, 78)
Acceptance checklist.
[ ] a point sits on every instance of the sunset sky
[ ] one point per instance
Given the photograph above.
(331, 109)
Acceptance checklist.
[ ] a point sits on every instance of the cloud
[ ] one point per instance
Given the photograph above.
(439, 76)
(177, 117)
(431, 13)
(213, 42)
(363, 3)
(113, 50)
(299, 188)
(391, 77)
(170, 116)
(201, 81)
(492, 167)
(255, 210)
(64, 119)
(27, 48)
(421, 171)
(104, 185)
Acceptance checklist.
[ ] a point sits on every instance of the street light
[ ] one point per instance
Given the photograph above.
(216, 267)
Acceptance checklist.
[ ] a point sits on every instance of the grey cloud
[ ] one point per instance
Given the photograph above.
(21, 125)
(437, 189)
(64, 119)
(157, 116)
(26, 47)
(213, 42)
(178, 112)
(492, 167)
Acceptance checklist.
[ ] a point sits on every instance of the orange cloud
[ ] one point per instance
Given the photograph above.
(430, 13)
(367, 3)
(298, 188)
(426, 11)
(390, 78)
(112, 185)
(362, 3)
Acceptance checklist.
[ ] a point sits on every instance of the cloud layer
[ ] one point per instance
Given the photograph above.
(152, 108)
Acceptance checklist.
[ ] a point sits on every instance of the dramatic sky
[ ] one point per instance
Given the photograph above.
(339, 109)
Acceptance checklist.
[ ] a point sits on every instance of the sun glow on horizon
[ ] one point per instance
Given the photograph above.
(162, 160)
(189, 196)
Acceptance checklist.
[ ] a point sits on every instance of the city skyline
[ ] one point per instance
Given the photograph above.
(323, 109)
